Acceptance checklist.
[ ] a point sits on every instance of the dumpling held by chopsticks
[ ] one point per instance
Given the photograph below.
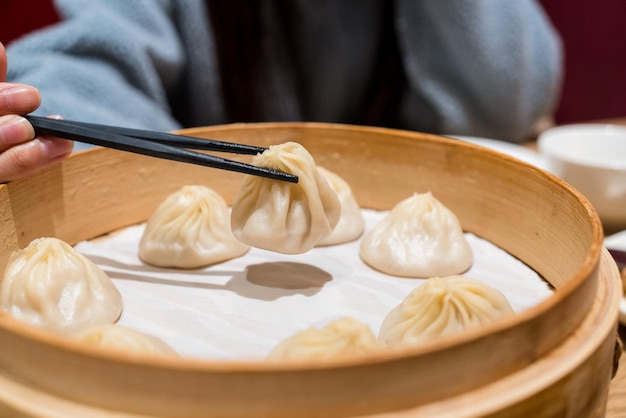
(288, 218)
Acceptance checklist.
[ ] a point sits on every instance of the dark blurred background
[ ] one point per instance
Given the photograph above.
(593, 33)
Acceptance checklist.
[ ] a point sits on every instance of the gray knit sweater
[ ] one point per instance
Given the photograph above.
(484, 68)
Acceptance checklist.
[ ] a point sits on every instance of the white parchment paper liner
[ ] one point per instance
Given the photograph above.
(242, 308)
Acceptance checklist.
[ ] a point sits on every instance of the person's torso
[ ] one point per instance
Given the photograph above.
(331, 61)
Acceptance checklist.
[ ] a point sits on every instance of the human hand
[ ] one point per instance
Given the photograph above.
(21, 152)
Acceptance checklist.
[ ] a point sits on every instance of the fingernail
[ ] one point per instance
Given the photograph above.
(15, 130)
(20, 99)
(56, 148)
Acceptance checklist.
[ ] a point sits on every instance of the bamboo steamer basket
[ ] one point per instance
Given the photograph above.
(554, 359)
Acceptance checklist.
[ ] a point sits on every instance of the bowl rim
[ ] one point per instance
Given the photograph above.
(549, 144)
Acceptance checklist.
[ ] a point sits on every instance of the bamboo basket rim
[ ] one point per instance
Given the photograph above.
(439, 344)
(467, 176)
(544, 377)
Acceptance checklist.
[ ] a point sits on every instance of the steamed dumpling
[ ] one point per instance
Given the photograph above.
(442, 306)
(342, 337)
(120, 338)
(190, 229)
(351, 223)
(52, 285)
(419, 237)
(288, 218)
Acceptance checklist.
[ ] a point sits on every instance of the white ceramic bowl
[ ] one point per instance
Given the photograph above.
(592, 158)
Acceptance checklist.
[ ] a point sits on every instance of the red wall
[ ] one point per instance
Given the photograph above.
(594, 36)
(18, 17)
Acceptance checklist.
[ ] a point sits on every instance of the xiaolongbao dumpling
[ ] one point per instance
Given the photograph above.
(284, 217)
(342, 337)
(441, 306)
(351, 223)
(419, 237)
(52, 285)
(190, 229)
(120, 338)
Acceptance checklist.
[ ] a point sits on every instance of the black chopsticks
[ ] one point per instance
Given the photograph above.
(157, 144)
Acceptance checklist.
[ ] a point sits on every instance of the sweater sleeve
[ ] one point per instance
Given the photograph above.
(97, 65)
(483, 68)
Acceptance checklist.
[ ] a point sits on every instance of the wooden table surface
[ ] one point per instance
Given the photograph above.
(616, 407)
